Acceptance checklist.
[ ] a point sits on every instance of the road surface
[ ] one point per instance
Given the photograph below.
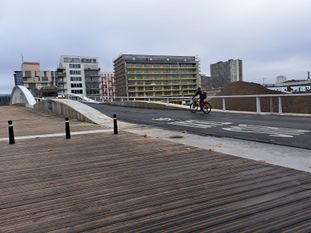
(281, 130)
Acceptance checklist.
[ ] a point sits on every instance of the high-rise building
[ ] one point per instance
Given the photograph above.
(79, 75)
(155, 75)
(108, 88)
(227, 72)
(280, 78)
(5, 99)
(40, 83)
(18, 77)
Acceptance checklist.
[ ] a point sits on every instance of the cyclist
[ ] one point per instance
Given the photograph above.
(202, 96)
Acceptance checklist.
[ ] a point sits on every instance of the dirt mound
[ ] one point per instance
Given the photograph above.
(299, 104)
(245, 88)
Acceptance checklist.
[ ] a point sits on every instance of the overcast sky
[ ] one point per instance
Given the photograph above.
(272, 37)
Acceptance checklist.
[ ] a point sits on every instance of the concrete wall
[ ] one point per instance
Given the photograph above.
(60, 108)
(149, 104)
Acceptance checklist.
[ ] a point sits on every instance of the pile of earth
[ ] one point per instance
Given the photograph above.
(299, 104)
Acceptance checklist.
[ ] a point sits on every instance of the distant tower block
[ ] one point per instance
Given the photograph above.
(280, 78)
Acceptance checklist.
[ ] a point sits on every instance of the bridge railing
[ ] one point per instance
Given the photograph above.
(258, 100)
(224, 100)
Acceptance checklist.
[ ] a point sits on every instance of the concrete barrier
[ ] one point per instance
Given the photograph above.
(149, 104)
(73, 110)
(60, 108)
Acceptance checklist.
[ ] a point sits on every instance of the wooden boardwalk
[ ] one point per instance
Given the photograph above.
(27, 122)
(128, 183)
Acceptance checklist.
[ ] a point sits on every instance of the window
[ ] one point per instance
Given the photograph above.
(77, 91)
(71, 59)
(27, 74)
(75, 72)
(75, 66)
(75, 78)
(76, 85)
(88, 60)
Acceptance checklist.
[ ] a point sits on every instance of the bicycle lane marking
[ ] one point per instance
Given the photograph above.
(270, 131)
(192, 123)
(240, 128)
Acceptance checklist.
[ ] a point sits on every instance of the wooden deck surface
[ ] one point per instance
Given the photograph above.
(128, 183)
(27, 122)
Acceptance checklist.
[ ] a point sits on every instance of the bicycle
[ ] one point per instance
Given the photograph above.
(206, 106)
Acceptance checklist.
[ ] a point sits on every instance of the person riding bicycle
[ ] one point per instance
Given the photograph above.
(202, 96)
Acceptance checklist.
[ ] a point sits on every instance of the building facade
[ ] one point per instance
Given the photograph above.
(155, 75)
(280, 78)
(78, 75)
(293, 86)
(5, 99)
(39, 83)
(223, 73)
(18, 77)
(107, 87)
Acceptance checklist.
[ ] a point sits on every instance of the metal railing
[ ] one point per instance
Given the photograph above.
(258, 100)
(184, 100)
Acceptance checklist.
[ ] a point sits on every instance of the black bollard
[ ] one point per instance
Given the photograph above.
(11, 133)
(67, 128)
(115, 124)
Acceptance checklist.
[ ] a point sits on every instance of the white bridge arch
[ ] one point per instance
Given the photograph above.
(21, 95)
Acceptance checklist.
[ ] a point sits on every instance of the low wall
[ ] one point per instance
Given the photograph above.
(60, 108)
(148, 104)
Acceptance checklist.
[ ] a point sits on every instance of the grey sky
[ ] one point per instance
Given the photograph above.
(272, 37)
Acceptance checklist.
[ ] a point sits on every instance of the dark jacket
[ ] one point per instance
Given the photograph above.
(202, 95)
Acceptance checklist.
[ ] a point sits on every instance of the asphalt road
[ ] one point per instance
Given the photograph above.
(281, 130)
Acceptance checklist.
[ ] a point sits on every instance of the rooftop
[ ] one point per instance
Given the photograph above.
(156, 58)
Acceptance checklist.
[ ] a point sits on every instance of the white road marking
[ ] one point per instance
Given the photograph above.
(199, 124)
(58, 134)
(163, 119)
(271, 131)
(241, 128)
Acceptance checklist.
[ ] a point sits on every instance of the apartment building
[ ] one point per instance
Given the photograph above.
(5, 99)
(223, 73)
(39, 83)
(155, 75)
(107, 87)
(79, 75)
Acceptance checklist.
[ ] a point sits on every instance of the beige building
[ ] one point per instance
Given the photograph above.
(39, 83)
(155, 75)
(31, 66)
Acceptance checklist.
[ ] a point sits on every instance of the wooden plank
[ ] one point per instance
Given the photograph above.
(128, 183)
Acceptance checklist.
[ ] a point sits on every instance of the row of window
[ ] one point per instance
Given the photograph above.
(75, 66)
(76, 84)
(77, 91)
(161, 72)
(88, 60)
(160, 88)
(162, 82)
(161, 65)
(75, 71)
(71, 59)
(162, 93)
(76, 78)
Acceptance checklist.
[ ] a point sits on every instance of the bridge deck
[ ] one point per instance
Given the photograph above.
(128, 183)
(27, 122)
